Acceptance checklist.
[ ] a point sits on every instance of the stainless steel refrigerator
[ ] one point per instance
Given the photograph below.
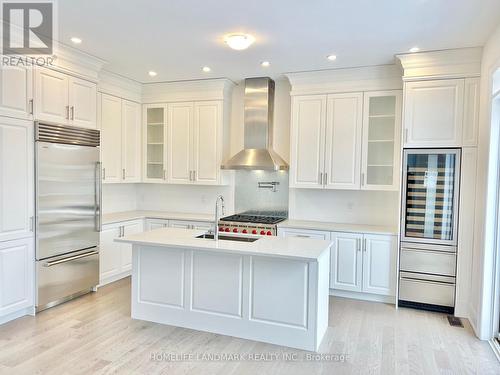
(68, 212)
(428, 248)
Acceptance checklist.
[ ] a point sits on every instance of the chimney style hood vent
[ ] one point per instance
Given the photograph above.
(259, 110)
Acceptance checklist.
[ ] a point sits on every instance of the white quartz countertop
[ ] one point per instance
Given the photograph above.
(338, 227)
(290, 247)
(116, 217)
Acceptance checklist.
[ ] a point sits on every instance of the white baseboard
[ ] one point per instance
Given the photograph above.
(363, 296)
(114, 278)
(17, 314)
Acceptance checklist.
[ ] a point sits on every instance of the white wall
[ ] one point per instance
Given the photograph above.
(483, 252)
(119, 197)
(345, 206)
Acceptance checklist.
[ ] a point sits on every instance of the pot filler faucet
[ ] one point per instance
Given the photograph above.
(220, 199)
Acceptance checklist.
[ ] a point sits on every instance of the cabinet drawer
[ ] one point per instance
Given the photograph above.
(428, 261)
(424, 291)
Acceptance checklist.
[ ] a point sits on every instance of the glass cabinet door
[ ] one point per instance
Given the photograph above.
(431, 192)
(155, 143)
(381, 133)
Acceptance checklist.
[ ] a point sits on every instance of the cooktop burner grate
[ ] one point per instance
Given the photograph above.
(251, 217)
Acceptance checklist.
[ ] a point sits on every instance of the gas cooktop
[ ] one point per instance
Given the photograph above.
(257, 217)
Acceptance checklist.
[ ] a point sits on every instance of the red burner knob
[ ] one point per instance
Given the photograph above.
(263, 232)
(254, 231)
(221, 229)
(235, 230)
(226, 230)
(244, 231)
(269, 233)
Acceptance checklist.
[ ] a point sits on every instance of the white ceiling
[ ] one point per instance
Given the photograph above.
(176, 38)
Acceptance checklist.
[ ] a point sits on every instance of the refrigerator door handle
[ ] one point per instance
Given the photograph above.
(69, 259)
(98, 197)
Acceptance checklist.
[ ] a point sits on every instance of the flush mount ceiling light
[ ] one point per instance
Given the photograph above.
(414, 49)
(239, 41)
(152, 73)
(76, 40)
(331, 57)
(265, 64)
(206, 69)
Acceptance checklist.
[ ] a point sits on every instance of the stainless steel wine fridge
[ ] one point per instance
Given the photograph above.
(428, 249)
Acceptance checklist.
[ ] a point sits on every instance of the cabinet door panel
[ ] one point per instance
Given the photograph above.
(16, 178)
(51, 96)
(131, 141)
(308, 141)
(343, 141)
(126, 249)
(433, 113)
(180, 125)
(110, 253)
(111, 129)
(179, 224)
(16, 92)
(346, 262)
(207, 126)
(152, 224)
(304, 233)
(83, 101)
(379, 264)
(471, 112)
(16, 275)
(155, 143)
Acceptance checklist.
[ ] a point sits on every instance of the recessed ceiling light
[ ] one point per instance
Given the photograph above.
(414, 49)
(152, 73)
(206, 69)
(331, 57)
(76, 40)
(239, 41)
(265, 64)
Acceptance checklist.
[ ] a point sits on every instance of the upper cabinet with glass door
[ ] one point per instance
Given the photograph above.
(155, 143)
(381, 140)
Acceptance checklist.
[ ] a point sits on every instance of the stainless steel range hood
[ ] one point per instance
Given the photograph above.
(259, 111)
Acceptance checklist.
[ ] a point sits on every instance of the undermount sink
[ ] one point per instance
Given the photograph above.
(210, 236)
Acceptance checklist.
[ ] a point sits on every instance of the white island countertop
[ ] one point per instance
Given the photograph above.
(338, 227)
(289, 247)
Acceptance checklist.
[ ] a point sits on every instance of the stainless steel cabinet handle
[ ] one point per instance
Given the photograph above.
(30, 106)
(53, 263)
(67, 112)
(320, 178)
(32, 219)
(326, 179)
(123, 174)
(72, 112)
(164, 174)
(190, 175)
(364, 244)
(362, 179)
(104, 173)
(194, 175)
(98, 197)
(358, 244)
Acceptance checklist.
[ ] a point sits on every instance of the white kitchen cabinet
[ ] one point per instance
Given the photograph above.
(200, 225)
(207, 142)
(379, 264)
(346, 262)
(131, 141)
(16, 94)
(64, 99)
(115, 259)
(120, 140)
(51, 96)
(82, 103)
(152, 224)
(433, 113)
(111, 138)
(126, 249)
(343, 141)
(303, 233)
(471, 112)
(381, 140)
(155, 141)
(179, 150)
(17, 259)
(16, 178)
(308, 141)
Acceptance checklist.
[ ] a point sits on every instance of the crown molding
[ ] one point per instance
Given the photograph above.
(369, 78)
(118, 85)
(452, 63)
(208, 89)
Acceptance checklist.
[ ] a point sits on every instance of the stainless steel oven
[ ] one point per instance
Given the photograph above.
(68, 212)
(428, 248)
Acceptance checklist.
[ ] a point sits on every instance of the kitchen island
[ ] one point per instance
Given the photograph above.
(273, 290)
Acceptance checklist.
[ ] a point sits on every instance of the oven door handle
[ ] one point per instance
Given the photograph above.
(69, 259)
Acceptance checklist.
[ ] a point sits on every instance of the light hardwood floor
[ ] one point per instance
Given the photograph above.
(95, 335)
